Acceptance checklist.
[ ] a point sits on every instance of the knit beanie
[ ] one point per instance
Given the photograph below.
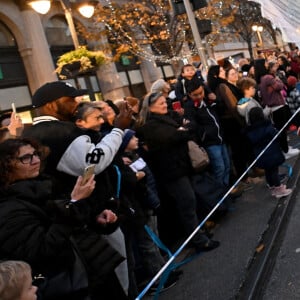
(291, 81)
(128, 134)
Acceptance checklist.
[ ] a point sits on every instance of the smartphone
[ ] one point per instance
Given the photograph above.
(87, 174)
(176, 105)
(245, 74)
(13, 107)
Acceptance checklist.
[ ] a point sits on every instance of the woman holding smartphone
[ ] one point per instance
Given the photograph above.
(37, 229)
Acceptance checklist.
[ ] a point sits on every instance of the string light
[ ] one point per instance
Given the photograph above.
(140, 47)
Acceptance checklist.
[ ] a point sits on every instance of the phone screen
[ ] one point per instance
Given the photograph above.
(87, 174)
(176, 105)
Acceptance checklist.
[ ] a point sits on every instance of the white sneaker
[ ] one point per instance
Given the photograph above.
(291, 153)
(280, 191)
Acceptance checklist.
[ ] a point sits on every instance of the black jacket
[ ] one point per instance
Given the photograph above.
(260, 135)
(35, 230)
(168, 151)
(205, 124)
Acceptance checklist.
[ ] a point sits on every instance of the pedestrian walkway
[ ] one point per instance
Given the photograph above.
(220, 273)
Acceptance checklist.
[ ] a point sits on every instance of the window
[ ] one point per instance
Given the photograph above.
(12, 71)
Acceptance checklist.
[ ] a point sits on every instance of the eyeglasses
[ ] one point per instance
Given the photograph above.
(27, 158)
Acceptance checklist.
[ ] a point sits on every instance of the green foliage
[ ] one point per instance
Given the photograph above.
(88, 59)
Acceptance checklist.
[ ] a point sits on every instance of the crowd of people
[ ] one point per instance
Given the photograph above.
(83, 237)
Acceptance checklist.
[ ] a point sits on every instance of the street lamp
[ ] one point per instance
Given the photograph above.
(258, 29)
(86, 9)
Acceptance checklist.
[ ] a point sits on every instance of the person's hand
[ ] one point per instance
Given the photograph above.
(83, 191)
(106, 217)
(126, 160)
(185, 122)
(124, 118)
(180, 111)
(16, 126)
(140, 175)
(212, 97)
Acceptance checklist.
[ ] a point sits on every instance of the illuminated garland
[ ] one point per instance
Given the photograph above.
(139, 50)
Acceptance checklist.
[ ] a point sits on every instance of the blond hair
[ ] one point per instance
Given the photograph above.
(12, 277)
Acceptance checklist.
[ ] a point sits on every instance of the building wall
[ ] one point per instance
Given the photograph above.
(27, 27)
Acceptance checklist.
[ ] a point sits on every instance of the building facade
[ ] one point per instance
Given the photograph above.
(31, 43)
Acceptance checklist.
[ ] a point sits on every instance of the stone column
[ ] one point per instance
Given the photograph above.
(149, 70)
(36, 57)
(110, 82)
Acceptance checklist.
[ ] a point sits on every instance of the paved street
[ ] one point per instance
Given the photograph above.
(219, 274)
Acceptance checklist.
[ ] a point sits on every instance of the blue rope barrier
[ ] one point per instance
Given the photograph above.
(172, 258)
(289, 168)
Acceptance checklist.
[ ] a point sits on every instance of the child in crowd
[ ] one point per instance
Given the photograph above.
(130, 156)
(16, 281)
(146, 205)
(247, 86)
(260, 132)
(188, 74)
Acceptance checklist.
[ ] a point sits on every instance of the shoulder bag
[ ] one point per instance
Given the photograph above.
(198, 156)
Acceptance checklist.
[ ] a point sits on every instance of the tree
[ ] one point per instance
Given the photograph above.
(236, 18)
(137, 26)
(131, 26)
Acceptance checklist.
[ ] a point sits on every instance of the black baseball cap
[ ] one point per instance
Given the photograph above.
(52, 91)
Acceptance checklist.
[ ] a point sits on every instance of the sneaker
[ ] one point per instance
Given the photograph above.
(236, 192)
(282, 177)
(280, 191)
(257, 172)
(245, 186)
(291, 153)
(208, 246)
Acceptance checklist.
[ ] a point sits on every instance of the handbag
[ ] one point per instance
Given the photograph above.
(70, 282)
(198, 156)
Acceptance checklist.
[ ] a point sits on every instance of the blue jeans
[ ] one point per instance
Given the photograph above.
(219, 162)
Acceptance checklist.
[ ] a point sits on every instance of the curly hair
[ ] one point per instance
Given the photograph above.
(9, 149)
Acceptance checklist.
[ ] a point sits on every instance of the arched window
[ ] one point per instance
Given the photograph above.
(12, 71)
(6, 38)
(58, 33)
(13, 79)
